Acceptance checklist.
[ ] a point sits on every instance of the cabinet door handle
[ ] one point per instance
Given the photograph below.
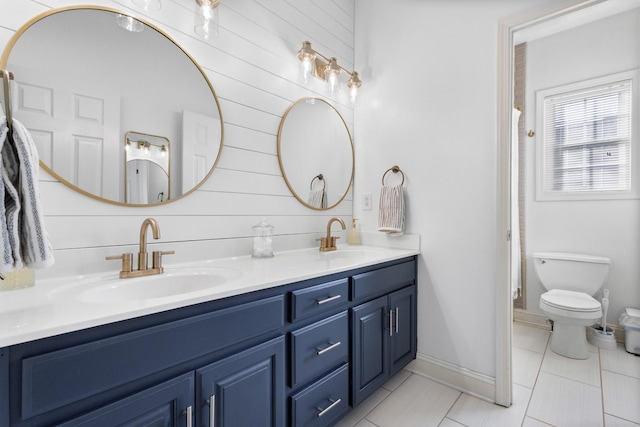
(334, 403)
(189, 413)
(390, 323)
(329, 299)
(212, 410)
(324, 350)
(397, 322)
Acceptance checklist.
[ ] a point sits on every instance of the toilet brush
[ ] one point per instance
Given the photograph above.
(599, 335)
(605, 308)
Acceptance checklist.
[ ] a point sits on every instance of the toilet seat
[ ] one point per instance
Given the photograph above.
(570, 301)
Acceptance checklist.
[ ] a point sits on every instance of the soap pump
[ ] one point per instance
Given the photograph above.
(353, 236)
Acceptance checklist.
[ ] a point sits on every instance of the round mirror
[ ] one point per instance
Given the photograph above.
(86, 77)
(315, 152)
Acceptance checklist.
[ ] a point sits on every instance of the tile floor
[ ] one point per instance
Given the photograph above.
(548, 390)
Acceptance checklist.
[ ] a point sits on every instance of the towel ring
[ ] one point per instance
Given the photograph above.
(6, 77)
(394, 169)
(321, 178)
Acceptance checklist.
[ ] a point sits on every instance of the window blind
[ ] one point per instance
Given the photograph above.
(587, 139)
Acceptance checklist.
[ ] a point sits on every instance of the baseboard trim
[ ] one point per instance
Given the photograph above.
(531, 318)
(540, 320)
(461, 379)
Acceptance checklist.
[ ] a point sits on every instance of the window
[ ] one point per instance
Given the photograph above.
(587, 149)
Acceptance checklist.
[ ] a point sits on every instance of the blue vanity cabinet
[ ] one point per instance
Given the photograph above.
(384, 328)
(299, 354)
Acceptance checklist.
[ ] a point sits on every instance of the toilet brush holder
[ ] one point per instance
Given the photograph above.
(601, 338)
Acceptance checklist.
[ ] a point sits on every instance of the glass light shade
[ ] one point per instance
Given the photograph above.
(306, 71)
(307, 57)
(148, 5)
(331, 74)
(206, 18)
(353, 94)
(354, 84)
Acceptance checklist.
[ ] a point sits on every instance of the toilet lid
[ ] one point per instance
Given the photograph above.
(570, 300)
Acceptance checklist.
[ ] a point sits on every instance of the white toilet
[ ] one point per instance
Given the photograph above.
(570, 281)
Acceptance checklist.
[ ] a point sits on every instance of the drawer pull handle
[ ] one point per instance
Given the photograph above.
(212, 410)
(323, 301)
(334, 403)
(324, 350)
(189, 413)
(397, 320)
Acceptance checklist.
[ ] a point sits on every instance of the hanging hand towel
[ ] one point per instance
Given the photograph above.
(391, 210)
(6, 263)
(30, 246)
(318, 199)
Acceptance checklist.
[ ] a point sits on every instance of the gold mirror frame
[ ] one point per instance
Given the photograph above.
(317, 177)
(5, 59)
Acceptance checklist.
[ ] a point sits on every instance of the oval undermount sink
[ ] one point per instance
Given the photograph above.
(173, 282)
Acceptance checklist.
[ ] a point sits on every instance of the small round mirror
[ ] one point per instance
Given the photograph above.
(315, 152)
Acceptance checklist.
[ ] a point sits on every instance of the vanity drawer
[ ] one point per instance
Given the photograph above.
(323, 402)
(384, 280)
(317, 299)
(318, 348)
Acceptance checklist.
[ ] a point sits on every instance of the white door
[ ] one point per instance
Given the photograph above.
(75, 128)
(200, 146)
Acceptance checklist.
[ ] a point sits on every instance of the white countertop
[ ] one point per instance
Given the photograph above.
(46, 309)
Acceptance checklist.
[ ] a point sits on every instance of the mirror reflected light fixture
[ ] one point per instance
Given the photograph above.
(206, 18)
(129, 23)
(315, 64)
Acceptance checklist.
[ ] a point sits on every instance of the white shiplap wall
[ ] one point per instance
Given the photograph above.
(254, 69)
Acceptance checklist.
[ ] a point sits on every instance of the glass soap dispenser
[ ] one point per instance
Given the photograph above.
(262, 240)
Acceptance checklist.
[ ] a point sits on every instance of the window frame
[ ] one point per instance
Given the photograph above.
(634, 156)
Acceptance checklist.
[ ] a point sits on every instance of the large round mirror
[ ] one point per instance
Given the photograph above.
(87, 77)
(315, 152)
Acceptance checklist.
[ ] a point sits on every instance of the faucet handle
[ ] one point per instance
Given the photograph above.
(157, 258)
(126, 261)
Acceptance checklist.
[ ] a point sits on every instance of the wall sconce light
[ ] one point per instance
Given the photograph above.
(206, 18)
(315, 64)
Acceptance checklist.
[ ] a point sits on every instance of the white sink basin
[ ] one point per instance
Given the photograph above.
(173, 282)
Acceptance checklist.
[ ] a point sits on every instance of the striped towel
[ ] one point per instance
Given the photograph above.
(25, 242)
(318, 199)
(391, 210)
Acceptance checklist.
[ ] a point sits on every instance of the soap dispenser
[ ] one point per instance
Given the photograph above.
(353, 236)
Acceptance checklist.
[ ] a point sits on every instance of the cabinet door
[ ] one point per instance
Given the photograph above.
(370, 330)
(169, 404)
(402, 338)
(246, 389)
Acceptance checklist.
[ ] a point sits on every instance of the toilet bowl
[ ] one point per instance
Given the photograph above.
(570, 281)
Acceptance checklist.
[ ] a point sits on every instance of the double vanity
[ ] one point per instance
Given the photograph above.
(294, 340)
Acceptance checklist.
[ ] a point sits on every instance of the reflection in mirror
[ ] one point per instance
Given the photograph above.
(83, 80)
(147, 177)
(315, 153)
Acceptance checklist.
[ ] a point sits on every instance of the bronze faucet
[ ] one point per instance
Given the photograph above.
(143, 267)
(328, 243)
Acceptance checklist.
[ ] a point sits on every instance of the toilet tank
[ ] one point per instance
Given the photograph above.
(571, 272)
